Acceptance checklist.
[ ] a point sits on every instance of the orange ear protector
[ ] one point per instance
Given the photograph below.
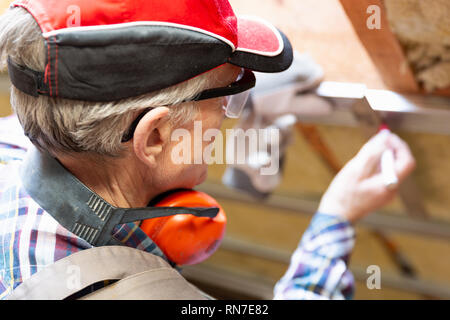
(184, 238)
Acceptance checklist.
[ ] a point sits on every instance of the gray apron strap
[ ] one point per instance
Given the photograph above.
(140, 275)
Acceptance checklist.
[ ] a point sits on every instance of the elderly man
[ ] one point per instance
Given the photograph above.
(100, 87)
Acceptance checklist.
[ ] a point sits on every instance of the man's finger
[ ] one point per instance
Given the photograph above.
(370, 154)
(404, 160)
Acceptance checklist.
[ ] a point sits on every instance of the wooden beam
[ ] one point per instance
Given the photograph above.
(441, 92)
(381, 45)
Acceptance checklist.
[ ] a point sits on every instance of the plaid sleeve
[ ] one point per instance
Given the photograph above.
(319, 266)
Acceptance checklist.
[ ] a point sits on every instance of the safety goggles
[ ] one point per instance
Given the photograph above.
(235, 94)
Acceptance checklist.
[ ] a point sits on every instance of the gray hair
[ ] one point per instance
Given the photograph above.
(71, 126)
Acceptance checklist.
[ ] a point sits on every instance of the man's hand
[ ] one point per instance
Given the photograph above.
(359, 188)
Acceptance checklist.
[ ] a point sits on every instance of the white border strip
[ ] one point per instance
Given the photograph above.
(137, 23)
(271, 27)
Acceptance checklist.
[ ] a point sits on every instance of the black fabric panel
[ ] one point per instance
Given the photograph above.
(26, 80)
(52, 59)
(262, 63)
(110, 65)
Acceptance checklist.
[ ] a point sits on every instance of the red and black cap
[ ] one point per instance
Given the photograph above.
(107, 50)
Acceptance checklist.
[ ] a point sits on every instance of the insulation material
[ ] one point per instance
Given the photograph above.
(423, 28)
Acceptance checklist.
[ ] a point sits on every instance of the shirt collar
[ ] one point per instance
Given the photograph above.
(76, 207)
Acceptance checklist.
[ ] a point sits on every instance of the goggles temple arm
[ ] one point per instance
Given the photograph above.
(246, 82)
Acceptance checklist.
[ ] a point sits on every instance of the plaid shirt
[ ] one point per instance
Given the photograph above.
(32, 239)
(319, 266)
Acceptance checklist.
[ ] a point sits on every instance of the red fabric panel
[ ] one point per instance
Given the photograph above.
(255, 35)
(215, 16)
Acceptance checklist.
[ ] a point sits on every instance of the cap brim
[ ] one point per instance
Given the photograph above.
(261, 47)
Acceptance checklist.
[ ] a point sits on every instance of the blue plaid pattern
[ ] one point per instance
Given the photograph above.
(319, 266)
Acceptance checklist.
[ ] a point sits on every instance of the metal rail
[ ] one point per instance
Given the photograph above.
(238, 283)
(381, 221)
(408, 112)
(261, 288)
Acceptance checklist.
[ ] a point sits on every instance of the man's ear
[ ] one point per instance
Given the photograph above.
(150, 135)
